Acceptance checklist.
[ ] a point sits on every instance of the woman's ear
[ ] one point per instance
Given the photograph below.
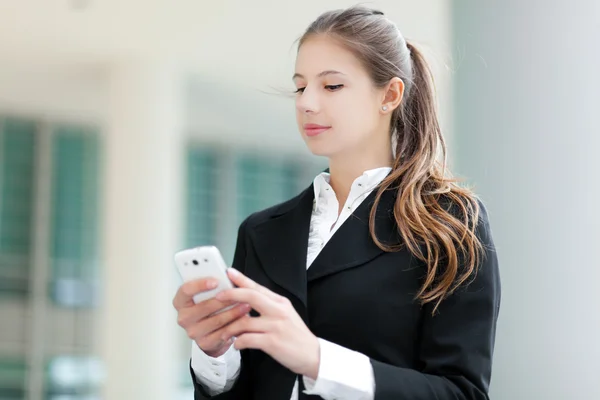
(393, 94)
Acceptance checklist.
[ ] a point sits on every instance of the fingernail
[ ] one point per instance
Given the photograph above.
(212, 284)
(234, 272)
(244, 308)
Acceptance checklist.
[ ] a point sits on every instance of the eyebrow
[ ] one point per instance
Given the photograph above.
(320, 75)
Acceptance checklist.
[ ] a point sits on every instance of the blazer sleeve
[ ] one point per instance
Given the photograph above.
(242, 389)
(455, 353)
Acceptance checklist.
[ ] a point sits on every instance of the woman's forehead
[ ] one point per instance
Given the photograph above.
(318, 57)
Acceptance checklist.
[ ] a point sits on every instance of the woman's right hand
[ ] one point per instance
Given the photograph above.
(196, 319)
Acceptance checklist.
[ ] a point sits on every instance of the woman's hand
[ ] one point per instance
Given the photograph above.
(199, 320)
(278, 331)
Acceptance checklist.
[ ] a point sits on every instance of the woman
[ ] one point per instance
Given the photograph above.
(379, 281)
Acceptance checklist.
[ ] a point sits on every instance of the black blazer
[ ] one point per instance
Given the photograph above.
(358, 296)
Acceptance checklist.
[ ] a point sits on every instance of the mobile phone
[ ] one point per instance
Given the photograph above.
(203, 262)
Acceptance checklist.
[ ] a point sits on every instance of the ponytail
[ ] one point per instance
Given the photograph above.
(436, 218)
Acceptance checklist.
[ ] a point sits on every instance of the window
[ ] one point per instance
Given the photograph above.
(12, 379)
(73, 378)
(263, 182)
(201, 196)
(224, 186)
(17, 164)
(74, 224)
(71, 251)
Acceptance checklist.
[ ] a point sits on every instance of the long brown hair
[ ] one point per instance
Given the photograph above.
(436, 218)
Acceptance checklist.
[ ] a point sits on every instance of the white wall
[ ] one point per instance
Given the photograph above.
(62, 91)
(527, 98)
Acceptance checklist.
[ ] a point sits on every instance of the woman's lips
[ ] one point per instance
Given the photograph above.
(314, 129)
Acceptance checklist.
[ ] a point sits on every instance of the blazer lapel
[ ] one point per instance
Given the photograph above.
(351, 245)
(281, 244)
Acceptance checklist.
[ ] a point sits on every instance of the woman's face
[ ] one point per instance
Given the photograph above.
(338, 109)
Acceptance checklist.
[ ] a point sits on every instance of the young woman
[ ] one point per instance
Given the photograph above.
(380, 280)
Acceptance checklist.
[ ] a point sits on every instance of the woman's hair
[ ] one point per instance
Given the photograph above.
(436, 218)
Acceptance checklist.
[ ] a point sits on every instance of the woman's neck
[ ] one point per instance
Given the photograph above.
(344, 172)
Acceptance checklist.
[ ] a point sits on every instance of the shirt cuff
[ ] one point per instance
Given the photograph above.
(343, 374)
(216, 374)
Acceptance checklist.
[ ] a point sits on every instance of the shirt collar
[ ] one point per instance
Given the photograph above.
(369, 180)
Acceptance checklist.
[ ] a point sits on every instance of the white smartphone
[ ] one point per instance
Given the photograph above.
(203, 262)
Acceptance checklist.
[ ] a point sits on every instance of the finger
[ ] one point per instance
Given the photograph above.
(252, 341)
(265, 305)
(212, 342)
(213, 305)
(218, 321)
(188, 290)
(247, 324)
(188, 316)
(242, 281)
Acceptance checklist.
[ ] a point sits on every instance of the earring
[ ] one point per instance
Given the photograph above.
(384, 108)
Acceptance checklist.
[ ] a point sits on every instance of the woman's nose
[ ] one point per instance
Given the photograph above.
(307, 102)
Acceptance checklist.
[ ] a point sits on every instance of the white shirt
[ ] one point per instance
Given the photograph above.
(335, 379)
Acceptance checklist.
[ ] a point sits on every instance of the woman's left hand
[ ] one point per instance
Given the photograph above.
(278, 331)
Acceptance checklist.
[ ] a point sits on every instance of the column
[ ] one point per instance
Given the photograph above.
(142, 189)
(527, 102)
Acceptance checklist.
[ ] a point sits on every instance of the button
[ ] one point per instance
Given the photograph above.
(217, 374)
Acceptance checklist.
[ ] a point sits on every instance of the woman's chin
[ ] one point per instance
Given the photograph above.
(318, 148)
(320, 151)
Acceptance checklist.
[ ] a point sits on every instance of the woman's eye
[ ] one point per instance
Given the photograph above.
(331, 88)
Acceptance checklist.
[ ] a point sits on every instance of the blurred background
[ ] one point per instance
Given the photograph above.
(131, 129)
